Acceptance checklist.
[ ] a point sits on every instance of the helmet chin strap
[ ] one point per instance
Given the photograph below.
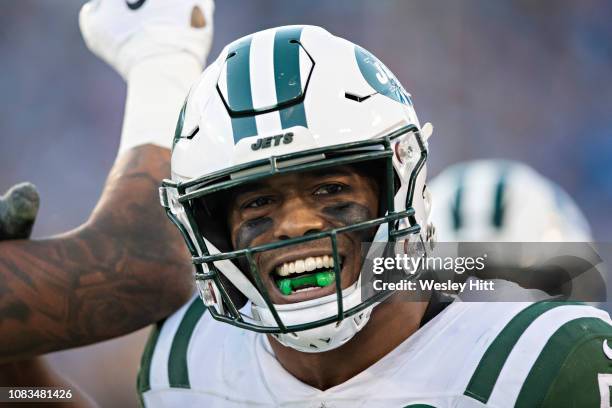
(236, 277)
(323, 338)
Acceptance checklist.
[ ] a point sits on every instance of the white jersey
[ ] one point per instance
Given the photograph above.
(469, 355)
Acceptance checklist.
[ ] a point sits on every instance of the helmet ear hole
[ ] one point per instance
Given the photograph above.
(235, 295)
(211, 217)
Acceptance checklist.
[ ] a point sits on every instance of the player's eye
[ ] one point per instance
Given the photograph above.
(329, 189)
(258, 202)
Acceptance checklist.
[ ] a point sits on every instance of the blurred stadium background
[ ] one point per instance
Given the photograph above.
(518, 79)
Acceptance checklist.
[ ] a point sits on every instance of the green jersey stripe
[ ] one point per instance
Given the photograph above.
(483, 380)
(551, 361)
(287, 78)
(239, 88)
(143, 383)
(178, 372)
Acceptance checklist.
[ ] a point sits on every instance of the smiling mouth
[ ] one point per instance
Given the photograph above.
(302, 275)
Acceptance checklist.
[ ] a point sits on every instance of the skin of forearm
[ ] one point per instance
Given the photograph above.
(125, 268)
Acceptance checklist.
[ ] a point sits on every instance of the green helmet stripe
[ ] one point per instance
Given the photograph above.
(456, 205)
(287, 79)
(239, 88)
(178, 372)
(179, 124)
(499, 208)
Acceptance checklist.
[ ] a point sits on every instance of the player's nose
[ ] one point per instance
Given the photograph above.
(296, 218)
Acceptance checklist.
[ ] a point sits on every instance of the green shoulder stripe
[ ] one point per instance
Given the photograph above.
(566, 371)
(483, 380)
(143, 381)
(178, 373)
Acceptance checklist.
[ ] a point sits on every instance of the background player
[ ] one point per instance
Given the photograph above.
(502, 201)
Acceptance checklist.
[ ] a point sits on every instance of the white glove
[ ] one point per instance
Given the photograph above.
(159, 47)
(126, 32)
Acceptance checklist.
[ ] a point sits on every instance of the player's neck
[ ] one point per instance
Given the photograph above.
(391, 323)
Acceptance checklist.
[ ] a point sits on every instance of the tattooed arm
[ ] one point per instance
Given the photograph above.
(125, 268)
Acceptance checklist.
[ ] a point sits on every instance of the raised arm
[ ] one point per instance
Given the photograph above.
(125, 267)
(121, 270)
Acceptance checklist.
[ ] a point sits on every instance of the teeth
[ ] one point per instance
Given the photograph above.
(303, 265)
(326, 261)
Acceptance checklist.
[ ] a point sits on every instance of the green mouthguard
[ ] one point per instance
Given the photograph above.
(321, 279)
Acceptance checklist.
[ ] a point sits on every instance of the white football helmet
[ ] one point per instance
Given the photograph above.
(506, 207)
(503, 201)
(284, 100)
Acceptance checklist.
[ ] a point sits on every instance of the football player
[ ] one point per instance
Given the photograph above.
(493, 200)
(501, 201)
(293, 148)
(124, 268)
